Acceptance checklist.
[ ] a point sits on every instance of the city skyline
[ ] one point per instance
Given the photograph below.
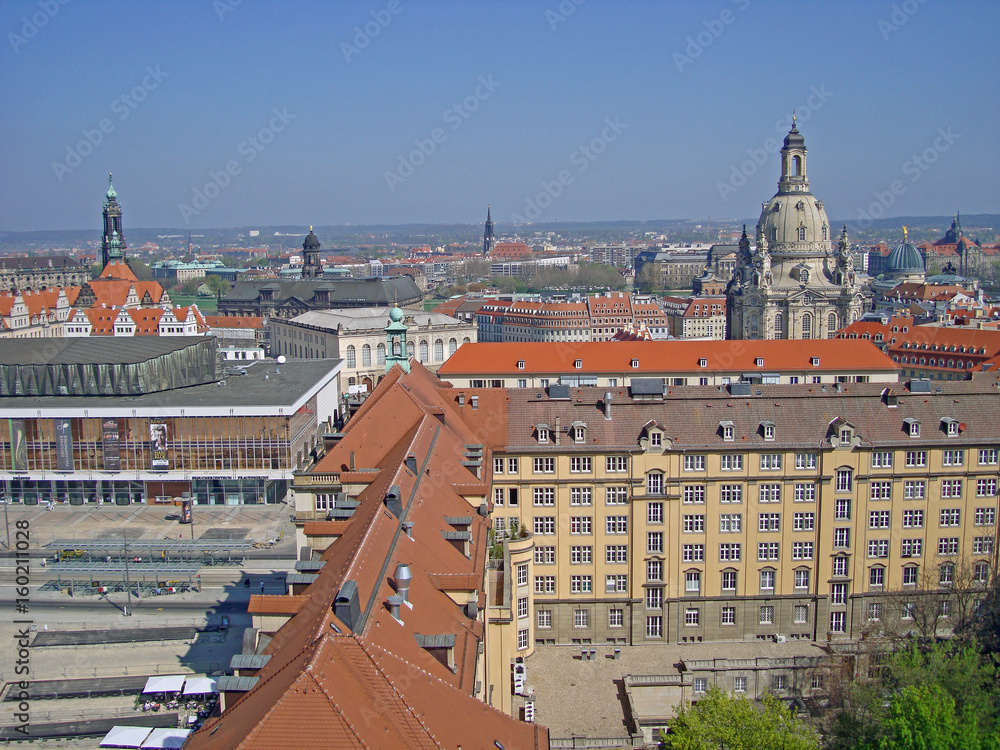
(238, 114)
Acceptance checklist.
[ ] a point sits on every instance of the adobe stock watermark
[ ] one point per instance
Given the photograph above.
(224, 7)
(561, 12)
(455, 116)
(582, 158)
(122, 106)
(758, 157)
(914, 167)
(249, 149)
(714, 28)
(30, 26)
(901, 13)
(363, 35)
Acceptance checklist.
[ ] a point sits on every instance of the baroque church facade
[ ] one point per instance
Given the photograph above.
(793, 283)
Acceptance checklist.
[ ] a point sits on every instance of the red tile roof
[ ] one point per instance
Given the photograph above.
(235, 321)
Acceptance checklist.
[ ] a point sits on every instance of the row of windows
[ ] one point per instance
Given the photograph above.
(366, 352)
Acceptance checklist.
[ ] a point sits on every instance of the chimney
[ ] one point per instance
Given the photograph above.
(408, 528)
(402, 578)
(352, 461)
(411, 464)
(558, 430)
(607, 405)
(472, 609)
(394, 603)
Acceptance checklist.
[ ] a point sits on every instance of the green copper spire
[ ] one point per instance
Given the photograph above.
(112, 195)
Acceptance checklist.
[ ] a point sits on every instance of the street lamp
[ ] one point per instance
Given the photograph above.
(6, 520)
(128, 587)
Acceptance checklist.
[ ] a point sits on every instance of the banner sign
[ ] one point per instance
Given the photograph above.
(18, 445)
(64, 445)
(158, 445)
(112, 447)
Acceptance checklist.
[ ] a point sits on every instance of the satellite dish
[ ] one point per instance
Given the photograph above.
(281, 359)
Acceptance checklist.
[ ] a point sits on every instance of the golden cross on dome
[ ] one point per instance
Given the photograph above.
(904, 234)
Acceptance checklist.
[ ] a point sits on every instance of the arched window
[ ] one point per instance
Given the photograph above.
(409, 349)
(802, 233)
(779, 326)
(351, 356)
(831, 325)
(465, 340)
(423, 351)
(366, 356)
(438, 350)
(452, 346)
(807, 326)
(796, 166)
(825, 231)
(754, 325)
(380, 355)
(397, 347)
(774, 234)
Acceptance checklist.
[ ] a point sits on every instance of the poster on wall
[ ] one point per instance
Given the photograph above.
(64, 445)
(158, 445)
(112, 448)
(18, 445)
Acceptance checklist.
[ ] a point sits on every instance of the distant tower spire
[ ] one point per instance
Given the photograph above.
(112, 227)
(488, 238)
(311, 266)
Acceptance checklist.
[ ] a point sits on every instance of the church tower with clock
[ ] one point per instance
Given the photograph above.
(794, 283)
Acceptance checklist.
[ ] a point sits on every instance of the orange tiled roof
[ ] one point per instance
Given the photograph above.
(663, 356)
(118, 270)
(235, 321)
(261, 604)
(324, 528)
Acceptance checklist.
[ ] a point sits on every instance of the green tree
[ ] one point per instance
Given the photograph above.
(720, 721)
(217, 284)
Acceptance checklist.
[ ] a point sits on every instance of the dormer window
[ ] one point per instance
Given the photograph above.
(951, 426)
(767, 429)
(655, 440)
(635, 363)
(845, 435)
(578, 363)
(728, 430)
(759, 361)
(520, 364)
(543, 433)
(702, 362)
(814, 361)
(578, 432)
(912, 427)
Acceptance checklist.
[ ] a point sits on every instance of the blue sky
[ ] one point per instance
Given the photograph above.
(397, 112)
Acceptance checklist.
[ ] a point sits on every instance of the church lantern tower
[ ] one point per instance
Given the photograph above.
(395, 341)
(113, 245)
(488, 239)
(311, 267)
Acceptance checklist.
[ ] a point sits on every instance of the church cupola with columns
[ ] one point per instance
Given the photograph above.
(311, 266)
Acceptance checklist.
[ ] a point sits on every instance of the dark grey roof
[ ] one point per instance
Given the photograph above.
(647, 387)
(801, 414)
(43, 261)
(102, 350)
(372, 291)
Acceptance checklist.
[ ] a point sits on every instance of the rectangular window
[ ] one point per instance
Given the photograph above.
(545, 524)
(498, 466)
(985, 516)
(694, 523)
(544, 496)
(881, 491)
(545, 555)
(581, 618)
(913, 519)
(767, 550)
(545, 584)
(522, 574)
(729, 618)
(842, 538)
(838, 622)
(805, 461)
(654, 627)
(878, 548)
(845, 480)
(581, 584)
(581, 525)
(986, 488)
(581, 495)
(616, 464)
(911, 547)
(769, 522)
(874, 611)
(951, 488)
(730, 551)
(916, 459)
(729, 580)
(766, 614)
(982, 545)
(731, 462)
(692, 616)
(616, 584)
(522, 607)
(876, 576)
(543, 465)
(616, 495)
(615, 554)
(654, 598)
(840, 566)
(693, 553)
(731, 493)
(910, 575)
(581, 555)
(694, 463)
(654, 541)
(802, 550)
(842, 509)
(770, 493)
(512, 466)
(694, 493)
(654, 570)
(878, 519)
(882, 459)
(987, 456)
(498, 495)
(800, 613)
(692, 581)
(730, 522)
(914, 490)
(951, 517)
(616, 525)
(544, 618)
(616, 618)
(580, 464)
(948, 545)
(654, 512)
(804, 521)
(654, 483)
(522, 639)
(953, 458)
(770, 461)
(805, 493)
(802, 578)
